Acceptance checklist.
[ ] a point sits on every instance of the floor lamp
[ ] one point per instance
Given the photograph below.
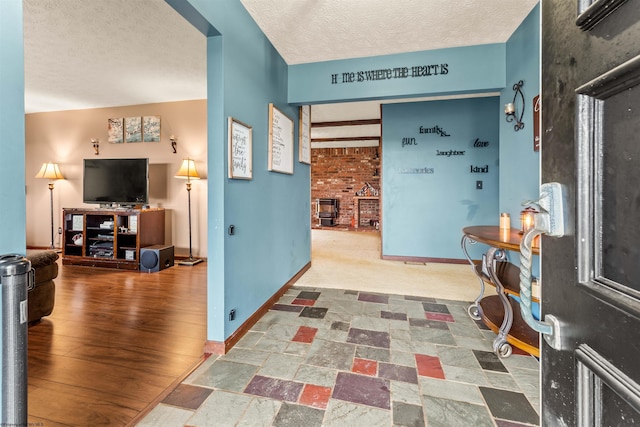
(188, 171)
(51, 172)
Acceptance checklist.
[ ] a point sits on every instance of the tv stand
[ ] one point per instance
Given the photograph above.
(110, 237)
(118, 206)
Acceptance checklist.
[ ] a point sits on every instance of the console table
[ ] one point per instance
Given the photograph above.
(500, 312)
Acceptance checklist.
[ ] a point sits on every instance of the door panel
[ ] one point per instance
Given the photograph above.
(609, 167)
(604, 392)
(591, 277)
(621, 166)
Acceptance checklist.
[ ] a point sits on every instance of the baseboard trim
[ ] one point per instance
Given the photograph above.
(413, 259)
(218, 347)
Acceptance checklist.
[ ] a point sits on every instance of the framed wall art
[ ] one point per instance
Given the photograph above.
(280, 141)
(151, 128)
(115, 131)
(133, 129)
(304, 140)
(240, 150)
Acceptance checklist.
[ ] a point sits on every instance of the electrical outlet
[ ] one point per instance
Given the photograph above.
(479, 185)
(232, 315)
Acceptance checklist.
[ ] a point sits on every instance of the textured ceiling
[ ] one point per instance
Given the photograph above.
(87, 54)
(322, 30)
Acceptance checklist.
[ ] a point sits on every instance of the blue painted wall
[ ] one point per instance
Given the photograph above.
(13, 213)
(429, 188)
(520, 168)
(272, 240)
(520, 165)
(469, 69)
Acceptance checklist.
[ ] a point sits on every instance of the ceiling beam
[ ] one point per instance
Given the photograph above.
(347, 138)
(346, 123)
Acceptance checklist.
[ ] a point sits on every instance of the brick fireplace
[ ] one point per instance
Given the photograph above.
(338, 173)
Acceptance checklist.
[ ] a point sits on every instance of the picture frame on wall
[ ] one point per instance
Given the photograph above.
(133, 129)
(240, 150)
(280, 141)
(115, 130)
(151, 128)
(304, 140)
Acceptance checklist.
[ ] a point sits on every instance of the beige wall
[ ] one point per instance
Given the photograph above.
(64, 137)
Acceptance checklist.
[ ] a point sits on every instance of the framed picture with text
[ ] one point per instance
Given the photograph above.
(280, 141)
(240, 150)
(304, 151)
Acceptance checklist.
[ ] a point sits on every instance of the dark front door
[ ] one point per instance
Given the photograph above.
(591, 277)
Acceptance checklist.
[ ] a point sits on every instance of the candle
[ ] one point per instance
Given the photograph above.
(509, 108)
(505, 221)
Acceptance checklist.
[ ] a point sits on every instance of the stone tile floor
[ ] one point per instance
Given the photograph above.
(326, 357)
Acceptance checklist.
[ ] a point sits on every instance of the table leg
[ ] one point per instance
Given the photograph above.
(500, 345)
(473, 309)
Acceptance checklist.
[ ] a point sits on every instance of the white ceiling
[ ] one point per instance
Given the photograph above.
(321, 30)
(86, 54)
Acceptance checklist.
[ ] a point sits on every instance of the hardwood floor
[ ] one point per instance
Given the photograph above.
(114, 343)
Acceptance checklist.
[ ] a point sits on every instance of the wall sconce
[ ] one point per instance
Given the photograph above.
(96, 145)
(511, 109)
(174, 141)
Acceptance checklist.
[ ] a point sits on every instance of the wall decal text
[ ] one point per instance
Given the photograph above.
(424, 170)
(480, 169)
(449, 153)
(409, 141)
(435, 129)
(390, 73)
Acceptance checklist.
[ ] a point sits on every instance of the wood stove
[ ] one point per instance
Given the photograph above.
(327, 211)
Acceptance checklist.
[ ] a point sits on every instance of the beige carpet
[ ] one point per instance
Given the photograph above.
(351, 260)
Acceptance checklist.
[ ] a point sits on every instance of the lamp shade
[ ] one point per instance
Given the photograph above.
(49, 171)
(188, 170)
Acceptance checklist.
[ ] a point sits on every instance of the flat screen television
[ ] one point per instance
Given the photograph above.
(123, 182)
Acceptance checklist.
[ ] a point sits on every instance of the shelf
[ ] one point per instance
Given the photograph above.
(509, 276)
(491, 309)
(520, 335)
(493, 236)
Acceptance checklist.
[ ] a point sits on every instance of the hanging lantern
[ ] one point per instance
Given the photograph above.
(527, 219)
